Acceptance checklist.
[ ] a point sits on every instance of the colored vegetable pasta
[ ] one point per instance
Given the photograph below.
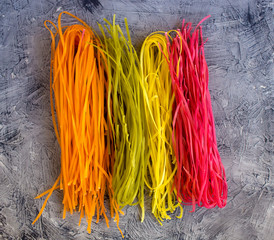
(124, 121)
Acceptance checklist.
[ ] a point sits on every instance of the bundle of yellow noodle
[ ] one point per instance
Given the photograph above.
(78, 81)
(158, 105)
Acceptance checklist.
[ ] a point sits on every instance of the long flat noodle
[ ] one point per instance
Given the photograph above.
(158, 105)
(200, 177)
(78, 80)
(126, 114)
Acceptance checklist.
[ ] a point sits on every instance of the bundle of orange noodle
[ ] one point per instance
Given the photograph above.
(158, 108)
(78, 80)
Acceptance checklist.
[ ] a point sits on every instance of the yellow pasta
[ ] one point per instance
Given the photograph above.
(161, 166)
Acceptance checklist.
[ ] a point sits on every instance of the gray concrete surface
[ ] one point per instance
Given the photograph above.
(239, 53)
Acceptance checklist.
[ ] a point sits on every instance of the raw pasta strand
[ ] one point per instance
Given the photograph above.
(200, 177)
(158, 108)
(78, 80)
(126, 114)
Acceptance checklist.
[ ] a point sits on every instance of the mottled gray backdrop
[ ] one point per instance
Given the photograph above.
(239, 53)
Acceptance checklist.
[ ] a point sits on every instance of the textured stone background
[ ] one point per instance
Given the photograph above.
(240, 58)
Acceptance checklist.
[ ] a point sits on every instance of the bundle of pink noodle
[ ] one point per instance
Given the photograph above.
(200, 177)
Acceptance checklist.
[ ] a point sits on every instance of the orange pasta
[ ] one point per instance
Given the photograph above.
(78, 80)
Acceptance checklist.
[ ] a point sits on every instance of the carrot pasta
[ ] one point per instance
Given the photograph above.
(78, 82)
